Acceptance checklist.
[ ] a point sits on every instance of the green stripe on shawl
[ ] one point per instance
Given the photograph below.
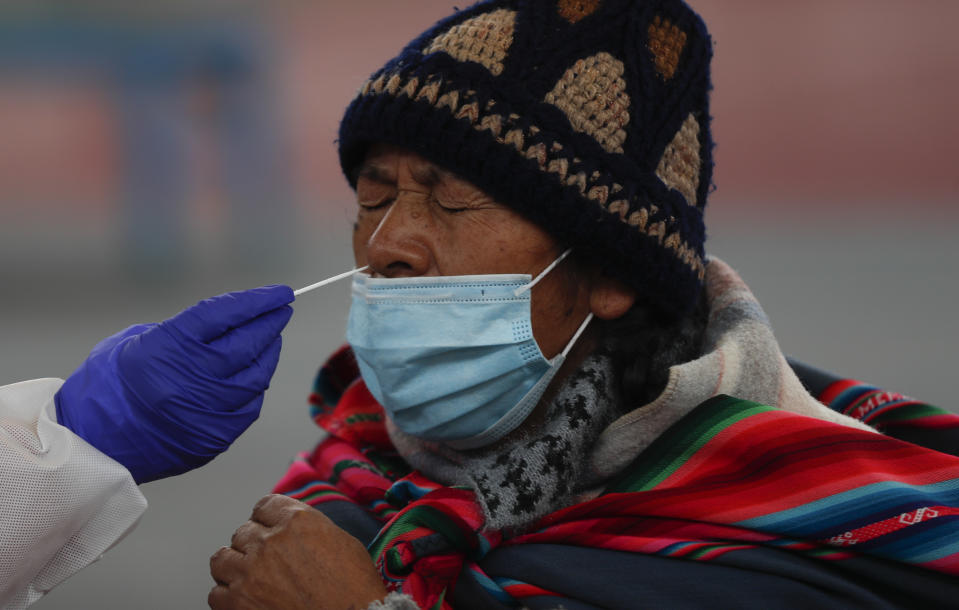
(342, 465)
(420, 516)
(910, 412)
(674, 448)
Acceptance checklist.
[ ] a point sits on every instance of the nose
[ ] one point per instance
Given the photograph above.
(401, 246)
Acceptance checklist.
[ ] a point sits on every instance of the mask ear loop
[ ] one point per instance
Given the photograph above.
(550, 267)
(542, 274)
(579, 331)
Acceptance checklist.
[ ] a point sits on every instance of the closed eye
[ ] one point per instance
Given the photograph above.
(376, 206)
(452, 209)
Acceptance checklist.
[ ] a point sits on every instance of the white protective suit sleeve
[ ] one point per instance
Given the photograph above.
(62, 502)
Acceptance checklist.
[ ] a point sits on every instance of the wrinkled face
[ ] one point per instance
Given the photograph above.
(417, 219)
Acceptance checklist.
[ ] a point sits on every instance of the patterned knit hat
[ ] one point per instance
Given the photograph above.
(588, 117)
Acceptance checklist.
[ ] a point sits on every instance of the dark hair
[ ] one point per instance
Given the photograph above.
(644, 342)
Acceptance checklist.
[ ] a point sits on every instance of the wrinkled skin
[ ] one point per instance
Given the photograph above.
(413, 219)
(291, 556)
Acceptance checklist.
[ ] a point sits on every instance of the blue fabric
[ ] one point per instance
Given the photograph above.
(756, 578)
(761, 578)
(450, 358)
(165, 398)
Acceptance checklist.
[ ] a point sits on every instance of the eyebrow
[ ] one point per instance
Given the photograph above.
(430, 176)
(375, 174)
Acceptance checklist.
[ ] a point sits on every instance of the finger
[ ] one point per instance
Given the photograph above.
(257, 376)
(239, 347)
(248, 536)
(110, 342)
(225, 598)
(226, 565)
(260, 503)
(212, 317)
(219, 598)
(248, 412)
(274, 509)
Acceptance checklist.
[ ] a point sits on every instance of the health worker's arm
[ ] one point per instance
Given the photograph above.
(62, 502)
(166, 398)
(152, 401)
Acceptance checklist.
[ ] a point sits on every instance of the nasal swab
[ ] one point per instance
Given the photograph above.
(329, 280)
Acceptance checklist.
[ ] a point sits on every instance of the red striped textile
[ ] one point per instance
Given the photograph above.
(729, 477)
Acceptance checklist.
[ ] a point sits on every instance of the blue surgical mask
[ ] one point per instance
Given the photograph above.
(451, 358)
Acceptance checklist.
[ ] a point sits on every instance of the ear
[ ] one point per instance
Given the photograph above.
(610, 299)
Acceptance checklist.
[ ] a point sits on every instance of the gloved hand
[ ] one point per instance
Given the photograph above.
(165, 398)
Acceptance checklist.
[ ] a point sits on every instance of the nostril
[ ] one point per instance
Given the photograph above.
(398, 269)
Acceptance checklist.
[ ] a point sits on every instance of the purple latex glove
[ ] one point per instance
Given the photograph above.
(165, 398)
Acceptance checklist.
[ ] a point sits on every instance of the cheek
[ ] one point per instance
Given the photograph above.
(559, 307)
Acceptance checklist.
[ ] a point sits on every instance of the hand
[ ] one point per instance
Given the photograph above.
(165, 398)
(291, 556)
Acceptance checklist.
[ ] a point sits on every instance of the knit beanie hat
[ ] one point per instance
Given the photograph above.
(588, 117)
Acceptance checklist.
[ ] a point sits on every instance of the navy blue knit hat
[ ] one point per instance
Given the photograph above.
(588, 117)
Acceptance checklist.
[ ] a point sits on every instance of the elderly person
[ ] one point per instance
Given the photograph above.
(551, 397)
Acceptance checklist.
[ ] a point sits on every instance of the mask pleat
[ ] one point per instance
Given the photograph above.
(449, 357)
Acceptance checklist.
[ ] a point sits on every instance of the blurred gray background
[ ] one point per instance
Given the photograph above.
(152, 157)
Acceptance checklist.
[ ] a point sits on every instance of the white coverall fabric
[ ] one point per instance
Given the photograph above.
(62, 502)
